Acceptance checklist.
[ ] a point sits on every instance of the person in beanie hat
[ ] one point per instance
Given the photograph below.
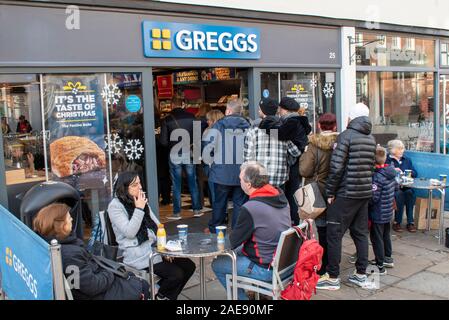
(267, 149)
(295, 128)
(349, 191)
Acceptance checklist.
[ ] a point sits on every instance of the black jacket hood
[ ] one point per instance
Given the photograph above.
(361, 124)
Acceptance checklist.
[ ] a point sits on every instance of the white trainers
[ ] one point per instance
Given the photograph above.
(174, 217)
(198, 213)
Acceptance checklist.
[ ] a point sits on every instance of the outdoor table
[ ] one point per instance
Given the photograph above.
(198, 245)
(424, 184)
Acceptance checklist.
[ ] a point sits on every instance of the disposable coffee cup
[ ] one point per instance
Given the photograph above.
(408, 173)
(221, 233)
(443, 178)
(182, 231)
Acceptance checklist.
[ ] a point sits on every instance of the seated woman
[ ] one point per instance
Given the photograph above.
(135, 226)
(404, 196)
(95, 283)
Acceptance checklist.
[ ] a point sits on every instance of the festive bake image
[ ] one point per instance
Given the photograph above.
(75, 155)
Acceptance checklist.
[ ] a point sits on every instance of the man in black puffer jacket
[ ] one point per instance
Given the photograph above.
(349, 190)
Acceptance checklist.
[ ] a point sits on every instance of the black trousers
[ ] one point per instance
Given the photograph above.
(381, 241)
(174, 276)
(322, 237)
(342, 215)
(290, 188)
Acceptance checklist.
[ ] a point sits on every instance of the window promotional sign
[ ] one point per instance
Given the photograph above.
(25, 262)
(180, 40)
(74, 114)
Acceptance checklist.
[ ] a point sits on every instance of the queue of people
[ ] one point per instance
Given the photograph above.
(356, 177)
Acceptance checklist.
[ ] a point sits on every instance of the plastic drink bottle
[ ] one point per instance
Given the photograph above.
(161, 237)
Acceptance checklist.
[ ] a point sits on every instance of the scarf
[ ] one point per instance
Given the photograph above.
(147, 223)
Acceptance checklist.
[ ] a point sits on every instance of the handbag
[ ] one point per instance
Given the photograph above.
(126, 285)
(99, 248)
(309, 199)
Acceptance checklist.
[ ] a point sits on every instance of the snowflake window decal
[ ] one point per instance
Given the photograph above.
(328, 90)
(133, 149)
(313, 82)
(116, 143)
(111, 94)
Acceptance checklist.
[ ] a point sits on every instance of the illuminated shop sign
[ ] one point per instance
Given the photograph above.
(180, 40)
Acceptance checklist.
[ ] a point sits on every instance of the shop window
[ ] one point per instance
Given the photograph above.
(20, 109)
(314, 91)
(444, 114)
(395, 51)
(444, 54)
(89, 128)
(401, 107)
(95, 125)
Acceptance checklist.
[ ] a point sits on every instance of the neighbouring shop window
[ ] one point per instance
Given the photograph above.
(314, 91)
(444, 60)
(393, 50)
(444, 114)
(401, 106)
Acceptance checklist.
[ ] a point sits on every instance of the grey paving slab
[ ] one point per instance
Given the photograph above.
(427, 283)
(388, 280)
(405, 266)
(214, 291)
(393, 293)
(441, 268)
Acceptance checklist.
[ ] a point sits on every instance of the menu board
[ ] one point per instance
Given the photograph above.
(208, 74)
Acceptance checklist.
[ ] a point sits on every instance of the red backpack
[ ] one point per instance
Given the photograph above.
(305, 275)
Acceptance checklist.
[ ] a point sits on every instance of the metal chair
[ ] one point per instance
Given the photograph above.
(283, 264)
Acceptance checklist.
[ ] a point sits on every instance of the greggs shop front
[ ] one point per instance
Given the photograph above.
(80, 105)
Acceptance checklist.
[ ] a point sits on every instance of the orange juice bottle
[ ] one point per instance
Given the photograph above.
(161, 237)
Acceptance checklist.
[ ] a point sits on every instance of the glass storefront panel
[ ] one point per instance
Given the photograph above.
(314, 91)
(20, 109)
(395, 51)
(92, 125)
(401, 107)
(444, 114)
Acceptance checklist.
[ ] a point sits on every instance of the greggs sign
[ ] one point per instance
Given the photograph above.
(180, 40)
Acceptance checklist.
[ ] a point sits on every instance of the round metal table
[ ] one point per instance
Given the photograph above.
(424, 184)
(199, 245)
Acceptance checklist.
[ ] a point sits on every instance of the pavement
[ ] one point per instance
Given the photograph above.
(421, 270)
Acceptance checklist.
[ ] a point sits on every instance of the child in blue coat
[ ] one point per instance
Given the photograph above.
(381, 209)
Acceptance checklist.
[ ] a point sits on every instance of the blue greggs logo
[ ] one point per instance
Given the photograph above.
(180, 40)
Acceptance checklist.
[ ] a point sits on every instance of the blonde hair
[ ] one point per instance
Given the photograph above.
(214, 115)
(50, 221)
(393, 144)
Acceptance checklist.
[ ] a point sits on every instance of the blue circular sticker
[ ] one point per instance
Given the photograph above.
(266, 93)
(133, 103)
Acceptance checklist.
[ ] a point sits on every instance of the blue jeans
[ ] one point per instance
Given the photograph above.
(223, 266)
(176, 177)
(407, 198)
(206, 169)
(220, 205)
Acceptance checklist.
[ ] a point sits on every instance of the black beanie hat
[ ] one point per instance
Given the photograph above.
(268, 106)
(289, 104)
